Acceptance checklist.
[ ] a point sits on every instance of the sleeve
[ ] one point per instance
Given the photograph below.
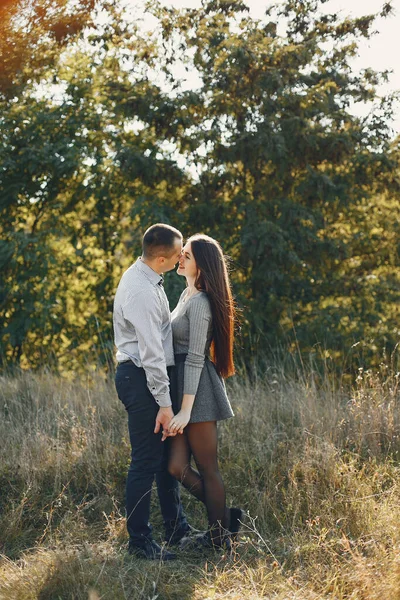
(199, 314)
(144, 313)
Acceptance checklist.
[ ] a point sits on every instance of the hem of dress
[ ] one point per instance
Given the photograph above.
(211, 420)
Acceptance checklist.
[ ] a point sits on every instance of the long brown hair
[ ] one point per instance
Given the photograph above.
(213, 279)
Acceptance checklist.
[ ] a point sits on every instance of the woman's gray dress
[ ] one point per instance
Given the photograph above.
(194, 372)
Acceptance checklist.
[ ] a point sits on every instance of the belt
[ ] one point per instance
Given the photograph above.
(124, 362)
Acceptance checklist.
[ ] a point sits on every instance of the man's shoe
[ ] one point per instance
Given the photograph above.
(151, 551)
(236, 516)
(176, 535)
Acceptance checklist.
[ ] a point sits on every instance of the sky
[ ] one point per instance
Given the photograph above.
(382, 52)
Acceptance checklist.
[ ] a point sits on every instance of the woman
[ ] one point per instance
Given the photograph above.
(202, 324)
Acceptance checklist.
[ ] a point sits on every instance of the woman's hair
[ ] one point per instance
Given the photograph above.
(213, 279)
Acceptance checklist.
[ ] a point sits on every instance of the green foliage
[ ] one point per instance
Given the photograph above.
(262, 153)
(32, 35)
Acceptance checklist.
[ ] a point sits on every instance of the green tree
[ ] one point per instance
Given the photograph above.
(36, 160)
(282, 159)
(78, 189)
(262, 152)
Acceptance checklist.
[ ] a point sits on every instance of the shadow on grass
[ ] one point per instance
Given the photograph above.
(106, 573)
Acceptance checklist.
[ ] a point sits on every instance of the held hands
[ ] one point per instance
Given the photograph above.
(172, 424)
(163, 419)
(179, 422)
(182, 418)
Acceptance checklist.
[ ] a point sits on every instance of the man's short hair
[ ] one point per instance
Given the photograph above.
(159, 240)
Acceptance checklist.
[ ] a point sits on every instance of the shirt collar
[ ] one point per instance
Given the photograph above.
(154, 277)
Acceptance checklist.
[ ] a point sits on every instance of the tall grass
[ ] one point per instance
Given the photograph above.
(314, 464)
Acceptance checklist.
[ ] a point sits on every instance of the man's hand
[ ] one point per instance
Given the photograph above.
(164, 416)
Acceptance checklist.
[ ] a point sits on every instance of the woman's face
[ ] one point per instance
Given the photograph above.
(187, 264)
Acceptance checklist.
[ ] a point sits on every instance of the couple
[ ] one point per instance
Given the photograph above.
(165, 434)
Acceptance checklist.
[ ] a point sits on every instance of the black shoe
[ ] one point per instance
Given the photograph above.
(151, 551)
(204, 541)
(176, 535)
(235, 522)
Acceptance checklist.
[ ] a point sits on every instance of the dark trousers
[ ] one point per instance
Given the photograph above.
(149, 459)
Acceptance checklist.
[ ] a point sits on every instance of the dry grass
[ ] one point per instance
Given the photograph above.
(315, 467)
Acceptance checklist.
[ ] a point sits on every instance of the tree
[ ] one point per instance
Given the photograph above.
(282, 160)
(75, 188)
(36, 159)
(262, 152)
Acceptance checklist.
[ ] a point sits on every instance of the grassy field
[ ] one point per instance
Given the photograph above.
(315, 465)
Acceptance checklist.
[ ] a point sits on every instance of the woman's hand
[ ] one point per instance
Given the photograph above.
(179, 422)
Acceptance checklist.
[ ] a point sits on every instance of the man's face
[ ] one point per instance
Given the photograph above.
(169, 263)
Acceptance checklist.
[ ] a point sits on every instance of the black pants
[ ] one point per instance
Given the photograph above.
(149, 459)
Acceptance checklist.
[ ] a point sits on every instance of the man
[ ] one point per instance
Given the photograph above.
(143, 336)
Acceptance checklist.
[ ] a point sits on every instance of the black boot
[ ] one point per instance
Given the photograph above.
(236, 516)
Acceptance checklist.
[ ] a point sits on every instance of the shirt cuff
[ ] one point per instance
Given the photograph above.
(163, 400)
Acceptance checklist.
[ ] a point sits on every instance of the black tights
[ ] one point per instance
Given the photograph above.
(201, 441)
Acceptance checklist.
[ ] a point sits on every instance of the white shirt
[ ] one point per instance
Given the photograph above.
(142, 327)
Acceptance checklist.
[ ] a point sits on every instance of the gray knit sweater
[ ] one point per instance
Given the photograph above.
(191, 323)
